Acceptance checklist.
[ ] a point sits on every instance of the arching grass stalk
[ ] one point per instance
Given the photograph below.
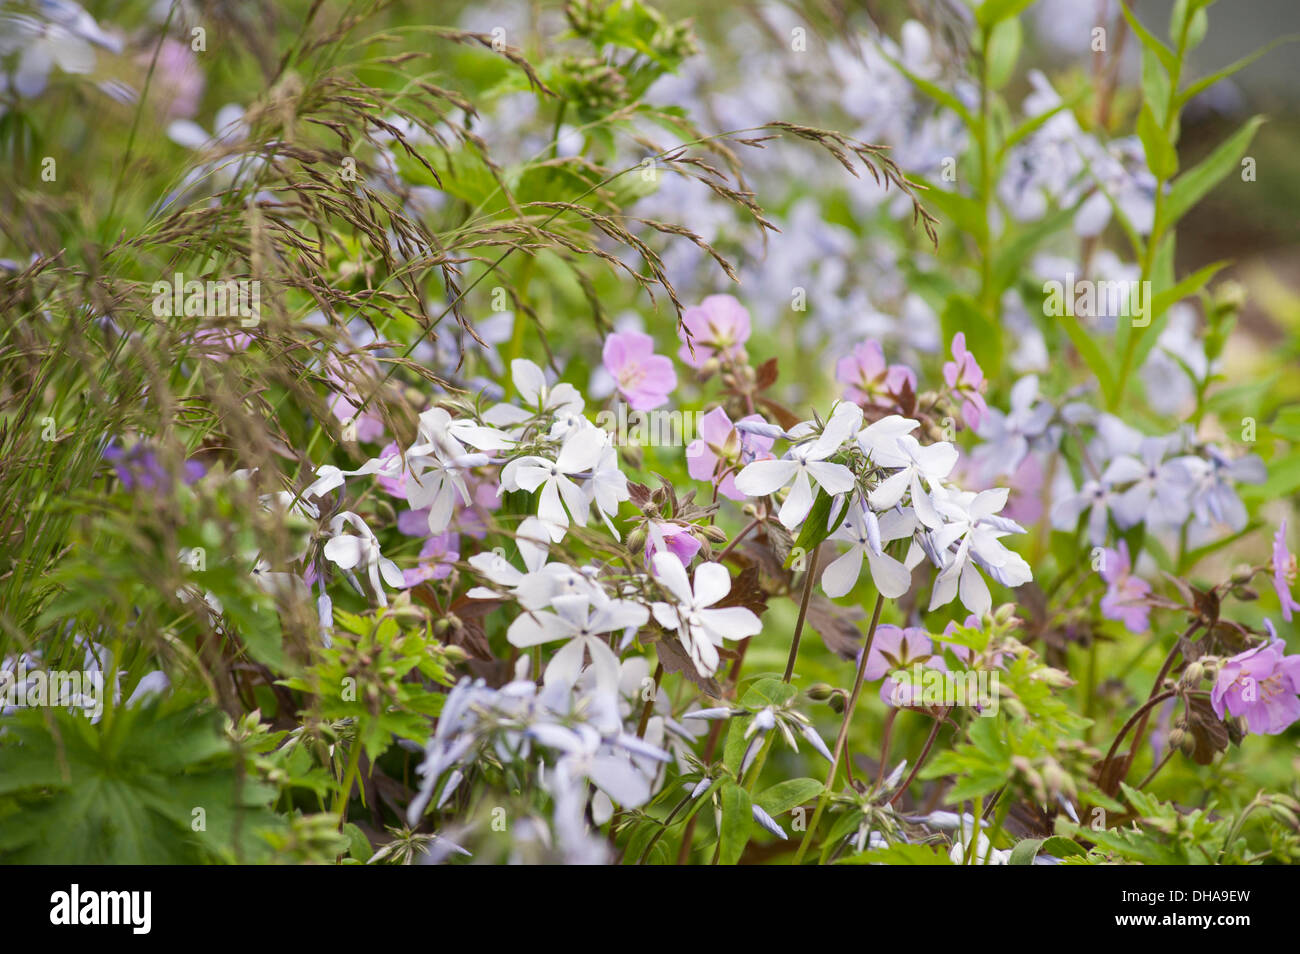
(842, 739)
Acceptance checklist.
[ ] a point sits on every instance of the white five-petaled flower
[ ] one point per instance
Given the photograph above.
(866, 534)
(579, 454)
(582, 619)
(889, 443)
(700, 628)
(972, 524)
(530, 381)
(361, 549)
(805, 463)
(449, 434)
(436, 482)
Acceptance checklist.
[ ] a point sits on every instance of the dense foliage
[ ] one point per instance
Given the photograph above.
(575, 433)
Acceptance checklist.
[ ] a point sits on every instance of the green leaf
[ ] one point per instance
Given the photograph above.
(1033, 124)
(1025, 851)
(1148, 40)
(936, 93)
(737, 820)
(1196, 27)
(1159, 310)
(899, 853)
(783, 796)
(1086, 345)
(359, 845)
(768, 692)
(1192, 186)
(1205, 83)
(1013, 254)
(127, 790)
(1161, 155)
(817, 527)
(993, 12)
(1003, 50)
(1155, 86)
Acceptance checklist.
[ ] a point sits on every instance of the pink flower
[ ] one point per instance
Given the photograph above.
(1284, 570)
(672, 537)
(868, 379)
(369, 427)
(393, 486)
(720, 451)
(644, 378)
(218, 344)
(179, 83)
(1261, 684)
(966, 380)
(717, 326)
(894, 649)
(437, 555)
(1126, 595)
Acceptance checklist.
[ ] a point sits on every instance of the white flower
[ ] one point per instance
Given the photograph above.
(62, 39)
(865, 535)
(533, 540)
(350, 550)
(984, 854)
(448, 434)
(804, 462)
(972, 525)
(530, 382)
(436, 482)
(581, 620)
(700, 629)
(608, 487)
(890, 445)
(578, 455)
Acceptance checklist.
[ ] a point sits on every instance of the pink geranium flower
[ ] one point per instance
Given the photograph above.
(1126, 595)
(437, 555)
(218, 344)
(868, 379)
(1284, 571)
(720, 451)
(717, 326)
(966, 380)
(673, 537)
(894, 649)
(645, 379)
(1261, 684)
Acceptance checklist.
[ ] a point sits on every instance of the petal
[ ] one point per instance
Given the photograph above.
(672, 576)
(712, 583)
(892, 579)
(797, 504)
(731, 622)
(345, 550)
(889, 491)
(529, 380)
(833, 478)
(842, 574)
(763, 477)
(974, 591)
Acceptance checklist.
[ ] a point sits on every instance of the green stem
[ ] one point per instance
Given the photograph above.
(349, 777)
(843, 736)
(808, 581)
